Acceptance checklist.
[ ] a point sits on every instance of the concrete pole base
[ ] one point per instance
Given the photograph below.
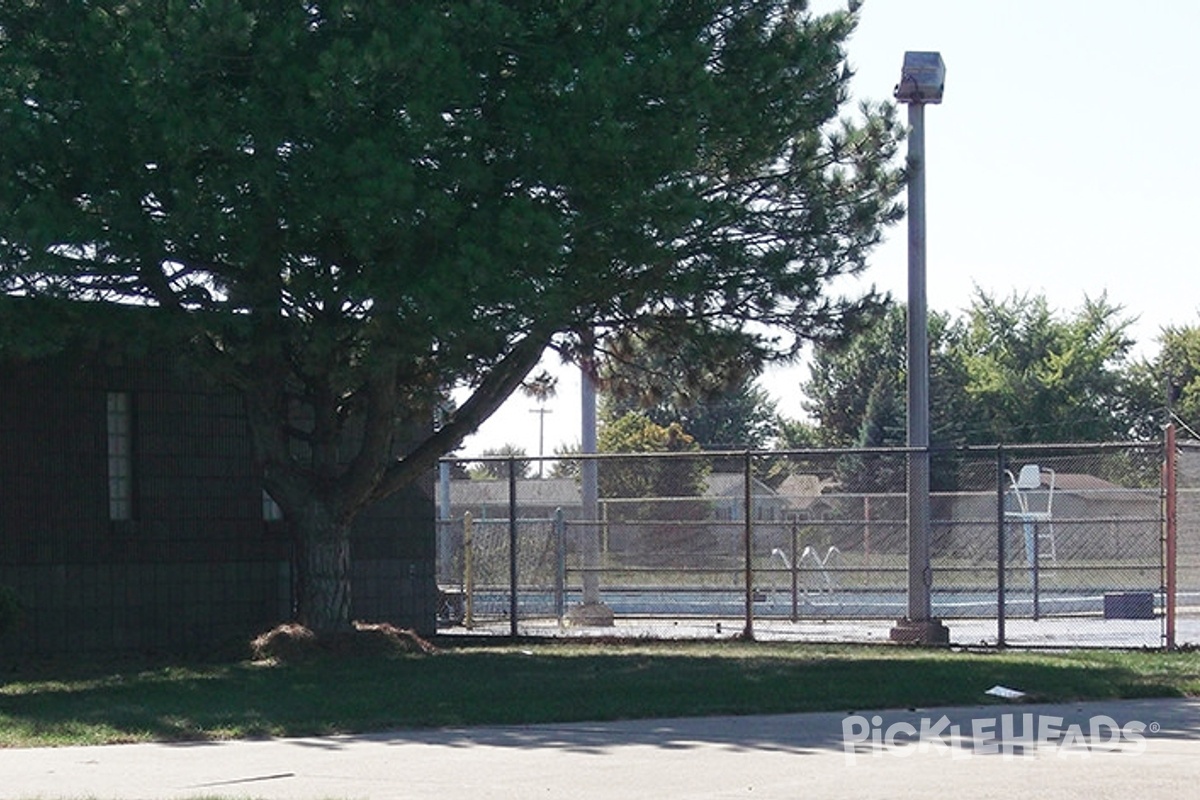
(920, 631)
(590, 615)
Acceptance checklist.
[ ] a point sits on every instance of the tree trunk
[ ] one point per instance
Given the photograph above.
(324, 572)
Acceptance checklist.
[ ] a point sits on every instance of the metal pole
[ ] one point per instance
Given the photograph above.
(541, 412)
(591, 612)
(747, 544)
(560, 563)
(445, 550)
(922, 81)
(867, 527)
(590, 488)
(469, 570)
(1001, 532)
(1172, 523)
(1037, 576)
(512, 546)
(795, 565)
(919, 574)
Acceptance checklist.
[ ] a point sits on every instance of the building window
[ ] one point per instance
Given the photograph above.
(120, 456)
(270, 509)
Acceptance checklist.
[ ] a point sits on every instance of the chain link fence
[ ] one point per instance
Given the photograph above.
(1029, 546)
(1187, 550)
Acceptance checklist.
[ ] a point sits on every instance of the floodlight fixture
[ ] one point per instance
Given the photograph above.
(922, 78)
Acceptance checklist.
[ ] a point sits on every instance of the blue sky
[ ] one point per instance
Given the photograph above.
(1063, 161)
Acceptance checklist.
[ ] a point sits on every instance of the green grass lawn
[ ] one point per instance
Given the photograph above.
(58, 704)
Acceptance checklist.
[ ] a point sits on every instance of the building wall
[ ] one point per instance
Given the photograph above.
(393, 552)
(196, 566)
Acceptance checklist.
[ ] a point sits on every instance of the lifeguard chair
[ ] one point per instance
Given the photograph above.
(1033, 506)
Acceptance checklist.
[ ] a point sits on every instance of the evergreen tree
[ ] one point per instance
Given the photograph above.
(347, 209)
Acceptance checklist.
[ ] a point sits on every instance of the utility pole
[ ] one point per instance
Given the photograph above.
(541, 411)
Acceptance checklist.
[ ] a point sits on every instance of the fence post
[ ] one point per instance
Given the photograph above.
(867, 527)
(1037, 572)
(560, 564)
(444, 541)
(1171, 532)
(468, 571)
(795, 569)
(747, 542)
(1001, 534)
(512, 546)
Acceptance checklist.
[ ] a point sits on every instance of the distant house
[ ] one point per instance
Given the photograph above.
(536, 498)
(714, 520)
(1090, 518)
(726, 493)
(804, 496)
(1078, 517)
(723, 495)
(132, 515)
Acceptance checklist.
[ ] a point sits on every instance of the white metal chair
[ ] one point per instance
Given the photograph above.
(1037, 519)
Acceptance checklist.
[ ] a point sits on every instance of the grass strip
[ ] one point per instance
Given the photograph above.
(60, 704)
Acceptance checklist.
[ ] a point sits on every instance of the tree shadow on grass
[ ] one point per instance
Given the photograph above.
(585, 703)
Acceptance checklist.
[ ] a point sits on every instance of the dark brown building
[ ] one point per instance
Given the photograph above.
(132, 516)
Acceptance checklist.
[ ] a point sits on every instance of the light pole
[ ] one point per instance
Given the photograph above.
(592, 612)
(922, 81)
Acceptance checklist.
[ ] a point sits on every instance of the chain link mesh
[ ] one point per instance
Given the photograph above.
(1033, 546)
(1188, 545)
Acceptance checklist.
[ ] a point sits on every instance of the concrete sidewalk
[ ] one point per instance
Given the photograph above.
(784, 756)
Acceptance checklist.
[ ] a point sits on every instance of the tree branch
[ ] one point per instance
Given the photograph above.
(501, 382)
